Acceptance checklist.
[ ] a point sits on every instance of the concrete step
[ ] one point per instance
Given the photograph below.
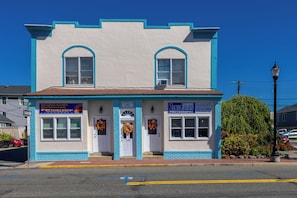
(101, 156)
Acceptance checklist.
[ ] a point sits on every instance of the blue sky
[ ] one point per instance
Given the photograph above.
(253, 35)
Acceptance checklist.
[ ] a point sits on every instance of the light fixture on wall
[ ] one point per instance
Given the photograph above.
(152, 109)
(100, 109)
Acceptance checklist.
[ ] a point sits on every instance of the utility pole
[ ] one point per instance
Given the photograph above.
(238, 85)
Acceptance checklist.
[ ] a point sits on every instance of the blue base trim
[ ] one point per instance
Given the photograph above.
(59, 156)
(188, 154)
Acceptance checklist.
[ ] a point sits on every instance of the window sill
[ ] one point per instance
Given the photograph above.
(61, 140)
(189, 139)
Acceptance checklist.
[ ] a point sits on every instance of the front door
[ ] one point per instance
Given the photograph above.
(101, 134)
(152, 136)
(127, 138)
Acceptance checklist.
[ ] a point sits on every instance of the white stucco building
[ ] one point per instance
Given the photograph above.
(123, 88)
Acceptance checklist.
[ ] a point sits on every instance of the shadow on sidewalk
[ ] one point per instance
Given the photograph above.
(14, 154)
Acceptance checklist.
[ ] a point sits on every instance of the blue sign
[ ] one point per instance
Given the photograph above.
(60, 108)
(203, 107)
(189, 107)
(181, 107)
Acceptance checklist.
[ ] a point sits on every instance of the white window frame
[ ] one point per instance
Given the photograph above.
(4, 100)
(169, 81)
(79, 76)
(22, 101)
(196, 127)
(55, 127)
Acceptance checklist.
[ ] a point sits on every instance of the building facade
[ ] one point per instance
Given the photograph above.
(124, 88)
(12, 106)
(287, 117)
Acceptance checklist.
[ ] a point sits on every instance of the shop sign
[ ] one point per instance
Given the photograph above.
(181, 107)
(60, 108)
(203, 107)
(189, 107)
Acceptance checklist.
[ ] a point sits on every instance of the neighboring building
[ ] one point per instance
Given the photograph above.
(12, 104)
(124, 88)
(287, 117)
(5, 122)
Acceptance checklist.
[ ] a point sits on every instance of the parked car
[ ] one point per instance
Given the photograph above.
(16, 142)
(5, 144)
(292, 134)
(282, 131)
(25, 141)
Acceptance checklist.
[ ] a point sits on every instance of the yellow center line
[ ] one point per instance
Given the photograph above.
(226, 181)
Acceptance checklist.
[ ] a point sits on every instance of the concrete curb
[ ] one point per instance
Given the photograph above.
(166, 165)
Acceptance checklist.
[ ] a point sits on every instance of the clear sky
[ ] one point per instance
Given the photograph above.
(253, 35)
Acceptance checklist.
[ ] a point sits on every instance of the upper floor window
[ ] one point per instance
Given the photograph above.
(171, 72)
(79, 70)
(4, 100)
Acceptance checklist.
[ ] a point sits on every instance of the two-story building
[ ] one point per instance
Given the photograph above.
(12, 106)
(124, 88)
(287, 117)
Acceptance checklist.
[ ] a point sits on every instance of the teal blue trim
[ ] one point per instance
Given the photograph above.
(156, 97)
(138, 128)
(33, 64)
(62, 155)
(94, 62)
(145, 26)
(32, 137)
(200, 154)
(156, 63)
(39, 31)
(217, 135)
(116, 129)
(214, 61)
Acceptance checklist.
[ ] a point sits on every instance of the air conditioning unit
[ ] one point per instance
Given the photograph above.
(163, 82)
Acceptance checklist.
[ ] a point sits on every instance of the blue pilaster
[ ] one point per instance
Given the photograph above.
(217, 124)
(214, 60)
(138, 122)
(116, 129)
(32, 137)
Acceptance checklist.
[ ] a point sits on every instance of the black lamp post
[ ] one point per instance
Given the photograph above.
(275, 73)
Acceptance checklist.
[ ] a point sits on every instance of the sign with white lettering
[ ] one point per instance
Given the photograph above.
(189, 107)
(60, 108)
(181, 107)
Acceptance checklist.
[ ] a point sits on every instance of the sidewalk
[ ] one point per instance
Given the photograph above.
(291, 159)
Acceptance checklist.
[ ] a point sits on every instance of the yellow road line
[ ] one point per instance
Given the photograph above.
(181, 182)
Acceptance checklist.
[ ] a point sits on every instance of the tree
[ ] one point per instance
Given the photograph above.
(244, 114)
(246, 126)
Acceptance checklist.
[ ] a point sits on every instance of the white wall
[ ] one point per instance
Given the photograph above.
(124, 54)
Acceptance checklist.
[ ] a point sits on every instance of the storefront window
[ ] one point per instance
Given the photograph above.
(186, 127)
(64, 128)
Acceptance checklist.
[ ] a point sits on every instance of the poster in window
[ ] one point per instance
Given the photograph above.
(101, 126)
(152, 126)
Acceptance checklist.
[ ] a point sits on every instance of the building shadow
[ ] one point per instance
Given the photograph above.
(19, 154)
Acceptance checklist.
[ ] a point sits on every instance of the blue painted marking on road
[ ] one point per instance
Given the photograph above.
(11, 176)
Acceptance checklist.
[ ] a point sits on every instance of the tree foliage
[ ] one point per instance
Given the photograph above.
(244, 114)
(246, 126)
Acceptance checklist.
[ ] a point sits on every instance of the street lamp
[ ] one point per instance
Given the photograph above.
(275, 73)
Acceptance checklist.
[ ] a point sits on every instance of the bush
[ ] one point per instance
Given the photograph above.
(5, 137)
(235, 145)
(244, 144)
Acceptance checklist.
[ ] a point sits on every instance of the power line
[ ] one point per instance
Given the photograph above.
(238, 85)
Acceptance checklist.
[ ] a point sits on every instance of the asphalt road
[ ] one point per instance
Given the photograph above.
(182, 181)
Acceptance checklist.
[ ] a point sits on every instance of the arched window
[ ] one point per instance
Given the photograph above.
(78, 66)
(171, 67)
